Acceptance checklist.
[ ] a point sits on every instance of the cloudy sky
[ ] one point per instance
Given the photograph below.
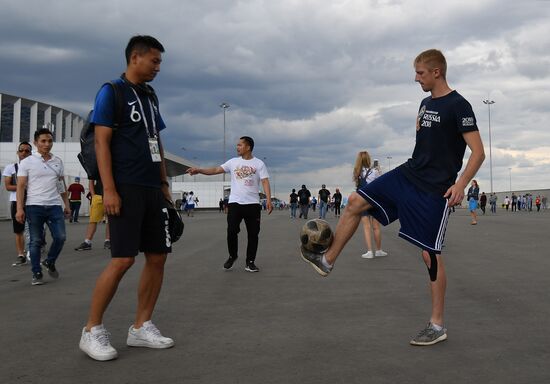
(313, 81)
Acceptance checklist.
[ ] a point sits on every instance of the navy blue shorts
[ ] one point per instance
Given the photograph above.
(423, 216)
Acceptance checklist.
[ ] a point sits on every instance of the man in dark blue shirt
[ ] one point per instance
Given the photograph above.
(131, 165)
(420, 192)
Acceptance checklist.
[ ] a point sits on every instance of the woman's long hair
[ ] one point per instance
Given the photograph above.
(362, 161)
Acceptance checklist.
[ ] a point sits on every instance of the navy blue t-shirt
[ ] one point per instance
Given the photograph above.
(131, 157)
(439, 150)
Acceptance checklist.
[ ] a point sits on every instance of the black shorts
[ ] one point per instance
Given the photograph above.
(143, 222)
(17, 226)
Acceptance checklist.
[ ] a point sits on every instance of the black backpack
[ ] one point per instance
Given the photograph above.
(87, 156)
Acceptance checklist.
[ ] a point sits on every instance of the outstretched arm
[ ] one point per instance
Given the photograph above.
(455, 193)
(205, 171)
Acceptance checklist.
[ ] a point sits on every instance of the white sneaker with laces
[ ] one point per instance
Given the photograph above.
(367, 255)
(148, 336)
(96, 344)
(380, 253)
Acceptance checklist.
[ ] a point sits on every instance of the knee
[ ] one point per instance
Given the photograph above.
(155, 261)
(356, 204)
(122, 264)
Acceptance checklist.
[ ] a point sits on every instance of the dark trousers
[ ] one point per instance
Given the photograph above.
(75, 209)
(337, 209)
(251, 214)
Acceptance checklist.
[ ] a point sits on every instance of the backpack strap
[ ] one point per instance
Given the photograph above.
(118, 92)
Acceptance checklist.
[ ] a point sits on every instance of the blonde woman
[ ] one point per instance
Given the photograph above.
(363, 174)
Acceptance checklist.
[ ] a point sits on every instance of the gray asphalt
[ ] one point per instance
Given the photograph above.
(286, 324)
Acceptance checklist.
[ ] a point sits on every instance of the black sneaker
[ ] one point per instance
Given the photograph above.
(229, 263)
(37, 279)
(106, 244)
(21, 260)
(251, 267)
(84, 247)
(50, 267)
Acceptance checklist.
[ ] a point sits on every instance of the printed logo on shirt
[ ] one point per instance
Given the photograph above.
(427, 117)
(468, 122)
(245, 172)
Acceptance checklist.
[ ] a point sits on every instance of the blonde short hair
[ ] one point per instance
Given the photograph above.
(433, 58)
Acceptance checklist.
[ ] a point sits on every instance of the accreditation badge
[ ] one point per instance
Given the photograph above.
(154, 149)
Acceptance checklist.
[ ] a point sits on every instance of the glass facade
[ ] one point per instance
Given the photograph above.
(25, 130)
(6, 123)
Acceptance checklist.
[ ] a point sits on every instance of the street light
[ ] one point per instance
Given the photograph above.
(389, 162)
(224, 105)
(489, 103)
(510, 171)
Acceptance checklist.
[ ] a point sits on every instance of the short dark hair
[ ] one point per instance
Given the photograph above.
(142, 44)
(42, 131)
(24, 143)
(248, 140)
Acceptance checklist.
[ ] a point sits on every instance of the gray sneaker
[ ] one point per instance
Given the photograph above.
(315, 259)
(429, 336)
(84, 247)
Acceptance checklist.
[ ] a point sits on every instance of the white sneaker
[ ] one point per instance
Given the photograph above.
(380, 253)
(148, 336)
(96, 344)
(367, 255)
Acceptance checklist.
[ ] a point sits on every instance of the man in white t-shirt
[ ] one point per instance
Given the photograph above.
(41, 174)
(244, 201)
(10, 181)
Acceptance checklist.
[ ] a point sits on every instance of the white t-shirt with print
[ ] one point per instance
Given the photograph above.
(42, 179)
(371, 176)
(245, 179)
(8, 171)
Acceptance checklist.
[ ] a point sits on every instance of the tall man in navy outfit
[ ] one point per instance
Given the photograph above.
(420, 191)
(135, 190)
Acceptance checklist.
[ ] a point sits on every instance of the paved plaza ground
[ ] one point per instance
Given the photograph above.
(286, 324)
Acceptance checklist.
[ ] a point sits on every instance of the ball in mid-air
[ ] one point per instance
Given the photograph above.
(316, 235)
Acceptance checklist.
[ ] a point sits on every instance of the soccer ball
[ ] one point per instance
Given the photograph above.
(316, 235)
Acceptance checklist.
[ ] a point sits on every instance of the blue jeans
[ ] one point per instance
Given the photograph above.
(293, 207)
(323, 206)
(54, 218)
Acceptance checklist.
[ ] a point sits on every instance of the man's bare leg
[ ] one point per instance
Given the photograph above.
(149, 287)
(347, 225)
(437, 289)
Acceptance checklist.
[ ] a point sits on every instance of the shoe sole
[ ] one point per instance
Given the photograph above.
(18, 264)
(367, 257)
(146, 344)
(83, 249)
(251, 270)
(98, 357)
(424, 343)
(317, 269)
(37, 283)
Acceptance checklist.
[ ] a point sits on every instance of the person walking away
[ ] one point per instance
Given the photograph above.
(136, 195)
(537, 203)
(190, 206)
(293, 198)
(493, 202)
(420, 191)
(473, 197)
(304, 196)
(247, 172)
(337, 202)
(324, 197)
(76, 190)
(483, 202)
(41, 176)
(97, 214)
(24, 150)
(364, 174)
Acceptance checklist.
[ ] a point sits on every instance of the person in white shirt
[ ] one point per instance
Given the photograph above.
(247, 172)
(41, 175)
(10, 181)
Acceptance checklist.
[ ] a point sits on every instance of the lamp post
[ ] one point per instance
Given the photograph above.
(224, 105)
(510, 172)
(489, 103)
(389, 162)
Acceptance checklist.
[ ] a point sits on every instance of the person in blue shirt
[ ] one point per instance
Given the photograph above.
(135, 190)
(420, 191)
